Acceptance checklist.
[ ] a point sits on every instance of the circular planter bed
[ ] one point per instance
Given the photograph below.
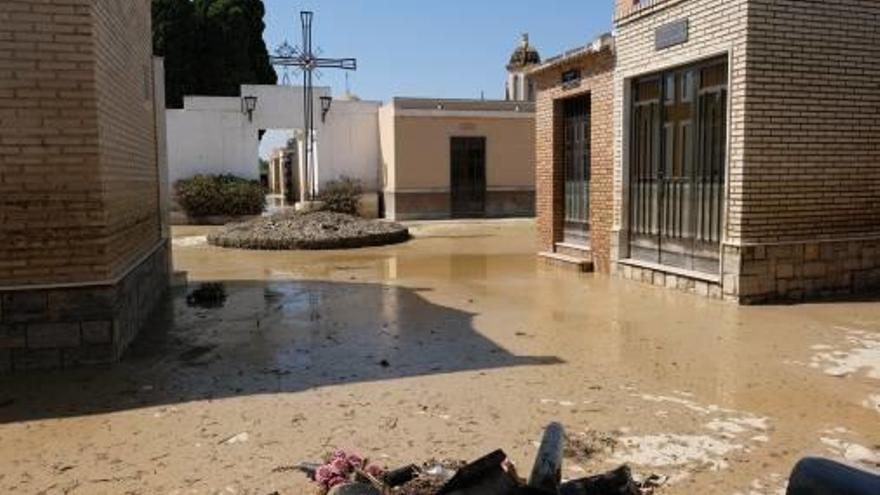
(318, 230)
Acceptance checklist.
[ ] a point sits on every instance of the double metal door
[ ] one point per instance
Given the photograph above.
(677, 166)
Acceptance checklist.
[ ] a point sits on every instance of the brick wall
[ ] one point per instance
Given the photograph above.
(549, 207)
(51, 203)
(82, 264)
(810, 213)
(626, 8)
(597, 71)
(812, 137)
(78, 173)
(128, 154)
(802, 214)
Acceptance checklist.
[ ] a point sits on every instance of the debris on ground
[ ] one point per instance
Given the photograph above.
(343, 468)
(345, 473)
(582, 447)
(242, 437)
(208, 296)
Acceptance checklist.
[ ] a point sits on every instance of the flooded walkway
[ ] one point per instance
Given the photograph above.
(451, 345)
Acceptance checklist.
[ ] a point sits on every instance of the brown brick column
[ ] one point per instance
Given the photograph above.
(596, 82)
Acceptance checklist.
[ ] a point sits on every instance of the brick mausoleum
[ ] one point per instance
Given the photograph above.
(744, 141)
(85, 252)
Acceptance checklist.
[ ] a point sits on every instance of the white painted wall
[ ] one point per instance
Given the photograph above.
(348, 143)
(212, 135)
(281, 107)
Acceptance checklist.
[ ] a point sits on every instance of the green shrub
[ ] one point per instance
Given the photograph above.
(342, 196)
(228, 195)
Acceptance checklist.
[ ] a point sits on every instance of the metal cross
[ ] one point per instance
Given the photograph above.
(304, 59)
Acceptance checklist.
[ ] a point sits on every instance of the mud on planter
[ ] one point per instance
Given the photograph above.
(309, 231)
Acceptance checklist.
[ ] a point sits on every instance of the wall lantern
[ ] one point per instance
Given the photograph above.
(248, 105)
(326, 102)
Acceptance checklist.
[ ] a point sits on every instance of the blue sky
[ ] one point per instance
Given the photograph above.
(440, 48)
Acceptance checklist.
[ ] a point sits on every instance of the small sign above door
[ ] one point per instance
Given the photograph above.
(674, 33)
(571, 78)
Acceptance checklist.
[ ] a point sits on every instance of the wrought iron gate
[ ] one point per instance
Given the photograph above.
(576, 143)
(677, 166)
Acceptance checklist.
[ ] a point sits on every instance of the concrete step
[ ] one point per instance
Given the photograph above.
(574, 250)
(566, 261)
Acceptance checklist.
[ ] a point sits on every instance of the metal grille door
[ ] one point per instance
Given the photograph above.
(576, 143)
(677, 164)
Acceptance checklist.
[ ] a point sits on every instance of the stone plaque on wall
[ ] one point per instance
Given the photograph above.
(674, 33)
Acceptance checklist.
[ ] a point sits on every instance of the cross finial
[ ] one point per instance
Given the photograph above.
(305, 59)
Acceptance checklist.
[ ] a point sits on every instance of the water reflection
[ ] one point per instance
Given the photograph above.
(271, 337)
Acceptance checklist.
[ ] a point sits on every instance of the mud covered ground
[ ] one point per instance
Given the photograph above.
(449, 346)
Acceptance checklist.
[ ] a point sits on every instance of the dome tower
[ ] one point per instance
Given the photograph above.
(519, 85)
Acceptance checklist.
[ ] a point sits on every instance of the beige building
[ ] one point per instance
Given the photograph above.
(85, 252)
(457, 158)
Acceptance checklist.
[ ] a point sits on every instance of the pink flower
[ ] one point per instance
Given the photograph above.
(375, 470)
(355, 461)
(341, 466)
(336, 480)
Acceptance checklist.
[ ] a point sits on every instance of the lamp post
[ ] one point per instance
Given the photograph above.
(326, 102)
(249, 104)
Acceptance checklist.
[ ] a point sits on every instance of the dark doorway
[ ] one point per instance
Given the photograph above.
(291, 184)
(677, 166)
(576, 145)
(468, 177)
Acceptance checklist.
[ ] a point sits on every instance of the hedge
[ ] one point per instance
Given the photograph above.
(215, 195)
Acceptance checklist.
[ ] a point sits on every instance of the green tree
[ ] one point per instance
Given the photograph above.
(211, 47)
(174, 37)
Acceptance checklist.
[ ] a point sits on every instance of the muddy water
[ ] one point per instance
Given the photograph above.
(451, 345)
